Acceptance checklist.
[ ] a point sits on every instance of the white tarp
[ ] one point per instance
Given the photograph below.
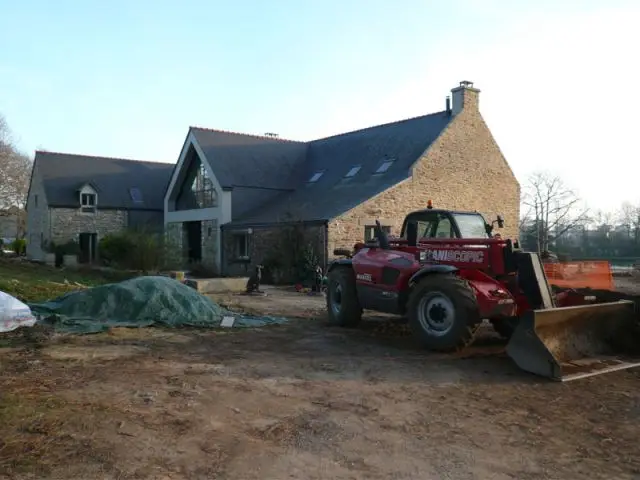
(14, 313)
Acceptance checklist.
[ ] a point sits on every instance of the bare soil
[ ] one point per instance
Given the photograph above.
(302, 401)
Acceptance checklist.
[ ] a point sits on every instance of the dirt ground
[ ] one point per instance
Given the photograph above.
(302, 401)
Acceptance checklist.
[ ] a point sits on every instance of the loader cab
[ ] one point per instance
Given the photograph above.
(432, 223)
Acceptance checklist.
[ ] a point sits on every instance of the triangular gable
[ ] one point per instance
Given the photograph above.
(190, 153)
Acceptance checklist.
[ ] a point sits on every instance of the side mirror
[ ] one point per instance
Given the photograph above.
(412, 234)
(500, 221)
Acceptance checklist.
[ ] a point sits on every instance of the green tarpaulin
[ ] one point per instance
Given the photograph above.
(139, 302)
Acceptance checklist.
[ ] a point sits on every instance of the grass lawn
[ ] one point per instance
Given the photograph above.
(31, 283)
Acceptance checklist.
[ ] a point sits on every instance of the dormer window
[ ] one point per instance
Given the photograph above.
(88, 199)
(384, 166)
(316, 176)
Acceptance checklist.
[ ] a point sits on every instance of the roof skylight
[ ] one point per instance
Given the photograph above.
(315, 177)
(384, 166)
(355, 169)
(136, 194)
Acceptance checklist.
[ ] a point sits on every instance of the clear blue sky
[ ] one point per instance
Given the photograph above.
(127, 78)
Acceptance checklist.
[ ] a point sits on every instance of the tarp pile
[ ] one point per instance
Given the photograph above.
(139, 302)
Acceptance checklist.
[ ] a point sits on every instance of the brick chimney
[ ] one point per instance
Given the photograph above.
(464, 96)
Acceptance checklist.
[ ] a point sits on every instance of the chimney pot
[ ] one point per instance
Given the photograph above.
(448, 104)
(464, 96)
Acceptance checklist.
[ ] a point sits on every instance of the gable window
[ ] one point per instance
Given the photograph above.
(197, 190)
(384, 166)
(241, 246)
(353, 171)
(88, 202)
(135, 194)
(370, 232)
(316, 176)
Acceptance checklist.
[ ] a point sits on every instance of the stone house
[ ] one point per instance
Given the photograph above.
(83, 198)
(230, 194)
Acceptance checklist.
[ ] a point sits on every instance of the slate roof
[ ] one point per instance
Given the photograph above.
(63, 174)
(290, 165)
(252, 161)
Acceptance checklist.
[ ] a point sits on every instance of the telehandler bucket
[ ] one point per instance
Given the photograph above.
(569, 343)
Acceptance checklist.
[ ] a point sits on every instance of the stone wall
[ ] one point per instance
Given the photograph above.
(267, 243)
(463, 169)
(210, 244)
(173, 251)
(67, 223)
(37, 218)
(177, 244)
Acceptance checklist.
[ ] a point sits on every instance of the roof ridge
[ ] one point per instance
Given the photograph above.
(359, 130)
(217, 130)
(102, 157)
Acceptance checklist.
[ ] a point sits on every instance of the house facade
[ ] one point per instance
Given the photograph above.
(83, 198)
(233, 197)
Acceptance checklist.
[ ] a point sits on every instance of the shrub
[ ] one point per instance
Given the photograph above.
(292, 257)
(147, 251)
(115, 249)
(19, 246)
(132, 250)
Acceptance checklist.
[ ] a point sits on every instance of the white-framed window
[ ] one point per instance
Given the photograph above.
(88, 199)
(88, 202)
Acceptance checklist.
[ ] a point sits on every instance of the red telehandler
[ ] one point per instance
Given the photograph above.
(447, 272)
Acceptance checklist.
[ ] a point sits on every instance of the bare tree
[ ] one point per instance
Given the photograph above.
(526, 218)
(6, 143)
(15, 172)
(629, 216)
(555, 208)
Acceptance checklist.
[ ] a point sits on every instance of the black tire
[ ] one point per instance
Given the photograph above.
(505, 327)
(343, 307)
(457, 306)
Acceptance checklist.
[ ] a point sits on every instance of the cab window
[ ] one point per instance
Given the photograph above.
(434, 226)
(444, 229)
